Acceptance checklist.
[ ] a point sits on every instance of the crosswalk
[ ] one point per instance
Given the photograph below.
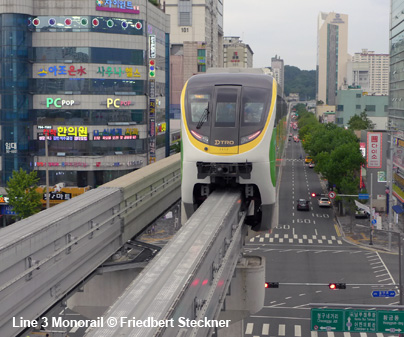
(296, 330)
(294, 238)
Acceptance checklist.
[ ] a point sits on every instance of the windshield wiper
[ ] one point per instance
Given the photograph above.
(204, 117)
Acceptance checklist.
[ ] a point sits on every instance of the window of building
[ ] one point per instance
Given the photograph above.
(340, 108)
(358, 107)
(370, 108)
(184, 13)
(358, 95)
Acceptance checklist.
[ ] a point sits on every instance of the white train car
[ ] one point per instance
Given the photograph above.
(233, 131)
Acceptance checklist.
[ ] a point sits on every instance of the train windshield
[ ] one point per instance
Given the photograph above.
(227, 115)
(253, 103)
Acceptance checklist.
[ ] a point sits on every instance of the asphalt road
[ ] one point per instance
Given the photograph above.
(304, 253)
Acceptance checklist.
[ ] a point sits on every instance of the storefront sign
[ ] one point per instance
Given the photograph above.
(62, 164)
(11, 147)
(116, 134)
(152, 130)
(362, 148)
(118, 71)
(152, 50)
(66, 133)
(117, 6)
(59, 196)
(117, 103)
(374, 150)
(62, 70)
(58, 102)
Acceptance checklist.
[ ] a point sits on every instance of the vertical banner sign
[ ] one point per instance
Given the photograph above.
(152, 98)
(374, 150)
(152, 130)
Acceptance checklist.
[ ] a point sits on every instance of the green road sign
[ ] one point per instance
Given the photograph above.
(390, 321)
(360, 320)
(327, 320)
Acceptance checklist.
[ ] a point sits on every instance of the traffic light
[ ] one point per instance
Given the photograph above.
(152, 68)
(334, 286)
(271, 284)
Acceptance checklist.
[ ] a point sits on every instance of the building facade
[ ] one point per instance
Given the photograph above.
(88, 76)
(196, 36)
(278, 70)
(236, 53)
(332, 55)
(370, 72)
(396, 107)
(354, 101)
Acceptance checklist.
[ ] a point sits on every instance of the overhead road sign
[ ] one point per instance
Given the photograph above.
(363, 196)
(384, 293)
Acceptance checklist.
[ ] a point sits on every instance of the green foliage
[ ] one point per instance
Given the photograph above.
(23, 197)
(336, 154)
(361, 122)
(176, 147)
(300, 81)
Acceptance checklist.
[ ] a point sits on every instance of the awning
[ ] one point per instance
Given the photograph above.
(398, 209)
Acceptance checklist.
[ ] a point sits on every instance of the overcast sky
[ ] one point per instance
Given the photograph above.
(288, 28)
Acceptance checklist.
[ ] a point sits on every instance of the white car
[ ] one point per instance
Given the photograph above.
(324, 202)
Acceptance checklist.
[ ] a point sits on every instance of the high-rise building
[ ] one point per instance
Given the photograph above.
(236, 53)
(396, 108)
(370, 72)
(88, 76)
(278, 70)
(332, 55)
(196, 36)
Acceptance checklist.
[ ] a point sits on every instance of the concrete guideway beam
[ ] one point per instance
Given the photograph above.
(47, 255)
(188, 280)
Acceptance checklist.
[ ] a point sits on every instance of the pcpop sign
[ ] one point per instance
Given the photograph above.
(117, 103)
(58, 102)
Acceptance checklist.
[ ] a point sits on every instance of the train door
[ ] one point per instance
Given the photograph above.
(224, 133)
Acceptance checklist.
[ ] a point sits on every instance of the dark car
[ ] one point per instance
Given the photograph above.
(303, 205)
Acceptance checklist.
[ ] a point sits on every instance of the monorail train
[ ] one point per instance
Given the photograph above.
(233, 133)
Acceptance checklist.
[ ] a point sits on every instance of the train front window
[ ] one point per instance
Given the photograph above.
(226, 107)
(253, 106)
(198, 108)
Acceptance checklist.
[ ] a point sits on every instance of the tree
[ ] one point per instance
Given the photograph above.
(361, 122)
(23, 197)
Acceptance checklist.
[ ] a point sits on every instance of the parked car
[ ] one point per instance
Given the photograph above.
(324, 202)
(361, 214)
(303, 205)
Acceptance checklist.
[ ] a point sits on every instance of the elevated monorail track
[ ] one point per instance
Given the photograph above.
(187, 282)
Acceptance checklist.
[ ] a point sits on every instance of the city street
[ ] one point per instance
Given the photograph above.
(306, 252)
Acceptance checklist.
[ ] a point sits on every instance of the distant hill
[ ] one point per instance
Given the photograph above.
(300, 81)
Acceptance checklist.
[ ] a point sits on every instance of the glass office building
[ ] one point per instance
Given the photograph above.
(90, 77)
(396, 107)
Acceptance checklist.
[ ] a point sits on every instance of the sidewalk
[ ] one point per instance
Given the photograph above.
(357, 231)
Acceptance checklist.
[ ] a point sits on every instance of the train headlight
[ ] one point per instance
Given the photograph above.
(249, 138)
(201, 138)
